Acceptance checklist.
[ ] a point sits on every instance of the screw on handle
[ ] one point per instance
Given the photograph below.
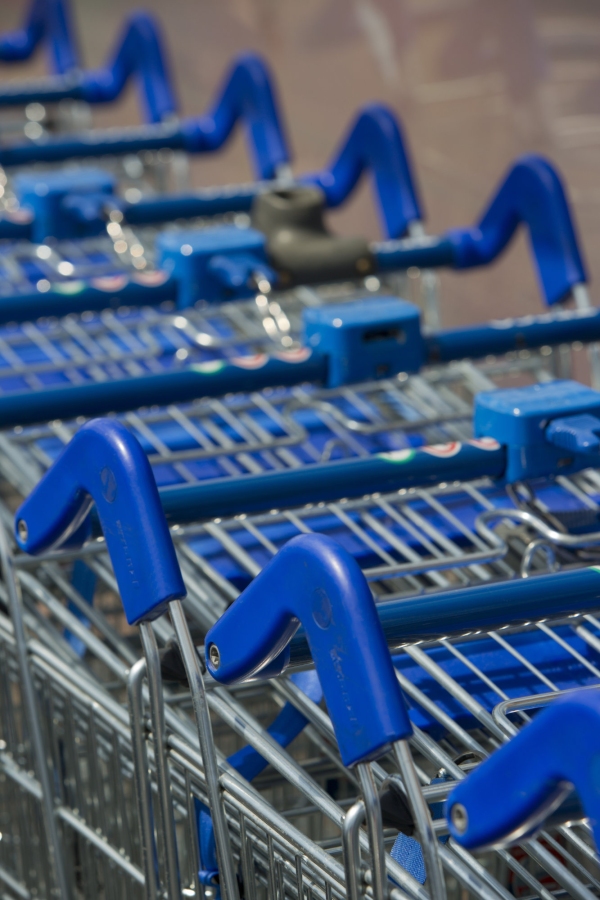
(375, 143)
(509, 796)
(531, 194)
(314, 582)
(248, 93)
(104, 464)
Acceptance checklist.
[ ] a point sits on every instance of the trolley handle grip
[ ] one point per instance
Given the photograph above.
(375, 144)
(509, 795)
(140, 52)
(104, 464)
(531, 194)
(247, 93)
(47, 20)
(314, 582)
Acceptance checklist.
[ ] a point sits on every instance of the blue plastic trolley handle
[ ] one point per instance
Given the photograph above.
(314, 581)
(374, 144)
(530, 194)
(139, 53)
(50, 21)
(104, 464)
(509, 796)
(247, 94)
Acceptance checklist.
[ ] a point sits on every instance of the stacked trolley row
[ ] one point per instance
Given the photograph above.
(410, 621)
(126, 798)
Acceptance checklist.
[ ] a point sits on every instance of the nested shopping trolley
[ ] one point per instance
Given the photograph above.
(452, 706)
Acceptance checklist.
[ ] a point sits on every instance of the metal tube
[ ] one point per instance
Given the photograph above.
(143, 792)
(157, 716)
(436, 884)
(375, 830)
(227, 880)
(350, 834)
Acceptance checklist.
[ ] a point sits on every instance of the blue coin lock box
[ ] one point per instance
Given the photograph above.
(364, 340)
(550, 428)
(50, 194)
(213, 264)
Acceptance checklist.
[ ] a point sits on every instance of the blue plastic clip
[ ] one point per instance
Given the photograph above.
(366, 339)
(104, 464)
(58, 201)
(508, 796)
(374, 144)
(547, 428)
(314, 582)
(214, 264)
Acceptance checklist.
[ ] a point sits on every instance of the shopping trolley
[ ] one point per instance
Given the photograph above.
(271, 850)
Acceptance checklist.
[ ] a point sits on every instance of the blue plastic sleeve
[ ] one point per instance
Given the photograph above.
(105, 464)
(509, 796)
(374, 144)
(315, 581)
(330, 481)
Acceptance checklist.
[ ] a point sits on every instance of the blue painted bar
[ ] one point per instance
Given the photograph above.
(465, 610)
(330, 481)
(79, 296)
(209, 379)
(504, 335)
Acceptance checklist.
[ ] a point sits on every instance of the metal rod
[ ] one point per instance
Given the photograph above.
(375, 830)
(350, 840)
(436, 884)
(143, 792)
(157, 716)
(227, 879)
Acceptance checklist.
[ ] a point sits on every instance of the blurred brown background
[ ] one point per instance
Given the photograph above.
(475, 82)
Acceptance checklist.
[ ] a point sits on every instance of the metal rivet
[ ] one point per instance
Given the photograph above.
(214, 656)
(22, 529)
(459, 817)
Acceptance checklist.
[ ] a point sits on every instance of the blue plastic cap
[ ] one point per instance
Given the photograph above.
(47, 193)
(191, 255)
(519, 418)
(105, 464)
(366, 339)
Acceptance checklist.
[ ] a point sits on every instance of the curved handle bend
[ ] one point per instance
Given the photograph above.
(532, 194)
(104, 464)
(248, 93)
(47, 19)
(139, 52)
(314, 582)
(509, 795)
(374, 143)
